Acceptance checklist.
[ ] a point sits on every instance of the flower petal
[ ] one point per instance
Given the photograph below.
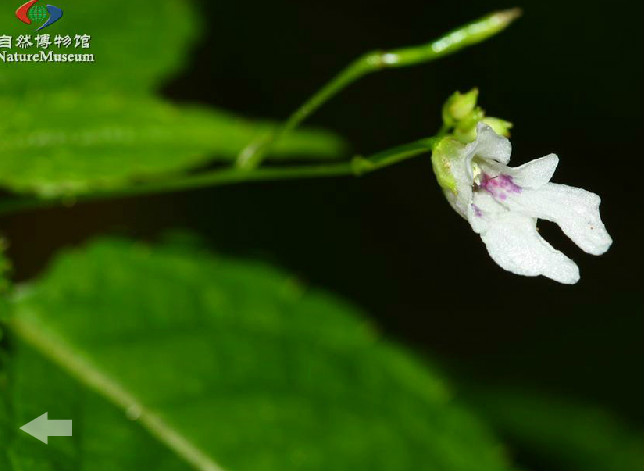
(489, 145)
(513, 242)
(482, 211)
(533, 174)
(574, 210)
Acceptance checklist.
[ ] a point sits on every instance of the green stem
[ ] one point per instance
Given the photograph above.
(357, 166)
(252, 155)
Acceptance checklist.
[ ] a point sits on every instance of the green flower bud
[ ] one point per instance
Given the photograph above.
(459, 106)
(461, 114)
(465, 130)
(498, 125)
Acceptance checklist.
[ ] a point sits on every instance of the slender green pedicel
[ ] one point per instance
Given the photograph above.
(468, 35)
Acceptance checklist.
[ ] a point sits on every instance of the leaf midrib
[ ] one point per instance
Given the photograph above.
(57, 350)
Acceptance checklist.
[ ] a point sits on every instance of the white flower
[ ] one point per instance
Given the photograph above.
(502, 204)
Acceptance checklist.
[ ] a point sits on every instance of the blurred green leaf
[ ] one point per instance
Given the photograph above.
(5, 269)
(4, 311)
(4, 410)
(232, 360)
(560, 433)
(78, 127)
(66, 143)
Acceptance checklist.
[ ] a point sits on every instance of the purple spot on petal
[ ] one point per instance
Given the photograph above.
(485, 182)
(508, 183)
(495, 185)
(477, 211)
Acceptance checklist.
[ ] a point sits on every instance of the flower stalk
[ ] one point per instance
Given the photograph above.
(470, 34)
(355, 167)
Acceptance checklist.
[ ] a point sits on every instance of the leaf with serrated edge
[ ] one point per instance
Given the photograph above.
(220, 364)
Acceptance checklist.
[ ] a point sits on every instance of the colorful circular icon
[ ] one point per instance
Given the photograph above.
(30, 13)
(38, 14)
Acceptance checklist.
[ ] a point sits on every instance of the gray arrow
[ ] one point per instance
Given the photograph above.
(42, 428)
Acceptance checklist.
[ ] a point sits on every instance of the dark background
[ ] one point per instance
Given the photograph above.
(568, 74)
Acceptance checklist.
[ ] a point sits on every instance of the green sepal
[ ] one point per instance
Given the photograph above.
(499, 126)
(442, 156)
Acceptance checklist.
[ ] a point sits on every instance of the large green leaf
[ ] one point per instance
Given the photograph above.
(218, 363)
(562, 433)
(66, 143)
(81, 127)
(5, 267)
